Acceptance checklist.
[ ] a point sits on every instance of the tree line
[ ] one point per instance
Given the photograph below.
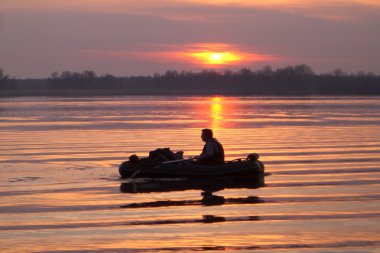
(5, 81)
(291, 80)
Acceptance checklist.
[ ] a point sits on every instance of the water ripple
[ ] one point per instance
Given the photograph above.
(204, 219)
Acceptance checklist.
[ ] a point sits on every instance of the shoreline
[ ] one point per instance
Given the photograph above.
(115, 92)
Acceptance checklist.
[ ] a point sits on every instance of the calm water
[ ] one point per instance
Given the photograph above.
(60, 192)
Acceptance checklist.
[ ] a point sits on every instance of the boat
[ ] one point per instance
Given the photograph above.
(238, 168)
(208, 185)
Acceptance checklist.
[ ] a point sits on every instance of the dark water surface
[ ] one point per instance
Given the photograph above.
(60, 190)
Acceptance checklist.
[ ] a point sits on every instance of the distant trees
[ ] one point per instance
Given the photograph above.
(290, 80)
(84, 80)
(5, 81)
(3, 76)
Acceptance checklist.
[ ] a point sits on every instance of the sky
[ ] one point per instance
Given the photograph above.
(143, 37)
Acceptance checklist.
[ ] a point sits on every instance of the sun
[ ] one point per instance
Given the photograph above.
(217, 58)
(214, 55)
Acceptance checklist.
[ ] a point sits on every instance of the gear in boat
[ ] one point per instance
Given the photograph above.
(250, 166)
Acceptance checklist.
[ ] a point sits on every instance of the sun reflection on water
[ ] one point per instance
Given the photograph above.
(219, 114)
(216, 111)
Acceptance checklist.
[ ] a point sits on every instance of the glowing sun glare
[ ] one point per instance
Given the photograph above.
(217, 58)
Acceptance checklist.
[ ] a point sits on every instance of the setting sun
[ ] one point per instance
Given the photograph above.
(218, 55)
(217, 58)
(209, 55)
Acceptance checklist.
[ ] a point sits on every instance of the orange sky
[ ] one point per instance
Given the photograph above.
(124, 37)
(143, 5)
(208, 55)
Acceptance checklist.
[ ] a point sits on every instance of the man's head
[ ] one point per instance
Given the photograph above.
(206, 134)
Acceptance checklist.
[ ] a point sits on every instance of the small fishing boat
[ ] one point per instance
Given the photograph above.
(238, 168)
(209, 185)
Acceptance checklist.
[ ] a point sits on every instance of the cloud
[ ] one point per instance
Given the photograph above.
(188, 9)
(122, 37)
(199, 55)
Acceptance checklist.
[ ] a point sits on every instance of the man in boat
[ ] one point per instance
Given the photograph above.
(213, 152)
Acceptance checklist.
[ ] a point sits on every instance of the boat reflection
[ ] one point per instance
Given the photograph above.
(207, 186)
(203, 184)
(208, 200)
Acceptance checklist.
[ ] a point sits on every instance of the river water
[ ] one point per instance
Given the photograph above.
(60, 188)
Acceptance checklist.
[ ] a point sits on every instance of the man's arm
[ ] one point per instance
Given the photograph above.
(209, 151)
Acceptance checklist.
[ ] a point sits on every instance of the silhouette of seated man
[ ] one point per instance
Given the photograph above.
(213, 152)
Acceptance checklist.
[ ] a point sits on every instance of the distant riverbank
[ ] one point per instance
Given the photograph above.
(113, 92)
(102, 92)
(297, 80)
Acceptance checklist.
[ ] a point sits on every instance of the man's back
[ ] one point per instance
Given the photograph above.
(212, 153)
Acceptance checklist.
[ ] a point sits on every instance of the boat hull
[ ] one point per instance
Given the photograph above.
(236, 169)
(204, 184)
